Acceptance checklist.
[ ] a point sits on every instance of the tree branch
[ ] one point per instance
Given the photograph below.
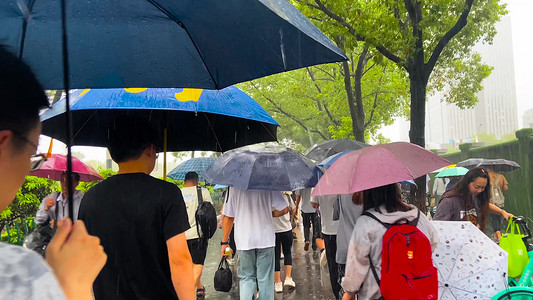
(287, 114)
(460, 24)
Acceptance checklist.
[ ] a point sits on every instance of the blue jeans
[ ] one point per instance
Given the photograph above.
(256, 265)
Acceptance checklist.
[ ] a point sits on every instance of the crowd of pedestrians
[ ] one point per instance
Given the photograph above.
(137, 237)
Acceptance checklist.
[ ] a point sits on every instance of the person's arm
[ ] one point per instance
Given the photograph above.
(42, 216)
(76, 259)
(228, 225)
(495, 209)
(314, 202)
(298, 198)
(357, 260)
(278, 213)
(181, 266)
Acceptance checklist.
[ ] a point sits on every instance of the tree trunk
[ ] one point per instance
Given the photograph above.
(358, 122)
(418, 84)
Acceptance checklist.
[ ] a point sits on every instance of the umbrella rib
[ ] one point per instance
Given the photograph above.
(84, 123)
(213, 130)
(173, 18)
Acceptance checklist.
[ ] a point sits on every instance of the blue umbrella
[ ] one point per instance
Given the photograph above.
(219, 186)
(263, 167)
(197, 164)
(195, 119)
(326, 163)
(162, 43)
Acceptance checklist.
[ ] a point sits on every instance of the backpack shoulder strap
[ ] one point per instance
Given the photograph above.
(374, 270)
(387, 225)
(415, 221)
(199, 193)
(498, 180)
(57, 197)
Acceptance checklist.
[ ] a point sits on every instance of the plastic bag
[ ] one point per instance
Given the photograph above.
(39, 239)
(513, 244)
(223, 277)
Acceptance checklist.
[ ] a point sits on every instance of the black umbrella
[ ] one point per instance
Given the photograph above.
(323, 150)
(498, 165)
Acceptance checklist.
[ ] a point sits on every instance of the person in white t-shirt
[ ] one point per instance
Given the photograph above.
(329, 227)
(197, 245)
(252, 212)
(283, 229)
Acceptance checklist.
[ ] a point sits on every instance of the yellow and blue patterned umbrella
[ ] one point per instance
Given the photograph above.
(195, 119)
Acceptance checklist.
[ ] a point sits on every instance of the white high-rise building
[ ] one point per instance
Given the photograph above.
(496, 110)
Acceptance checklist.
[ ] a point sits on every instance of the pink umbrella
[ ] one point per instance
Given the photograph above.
(375, 166)
(54, 166)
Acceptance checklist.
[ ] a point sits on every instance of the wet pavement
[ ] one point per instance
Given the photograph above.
(312, 281)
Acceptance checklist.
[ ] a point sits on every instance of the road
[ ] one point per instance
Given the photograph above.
(312, 281)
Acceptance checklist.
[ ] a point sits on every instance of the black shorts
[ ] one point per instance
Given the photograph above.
(198, 250)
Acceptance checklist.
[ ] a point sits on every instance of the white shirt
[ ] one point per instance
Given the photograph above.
(252, 210)
(305, 200)
(190, 196)
(325, 206)
(42, 216)
(25, 275)
(283, 223)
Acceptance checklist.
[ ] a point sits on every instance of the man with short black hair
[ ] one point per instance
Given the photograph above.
(140, 220)
(197, 244)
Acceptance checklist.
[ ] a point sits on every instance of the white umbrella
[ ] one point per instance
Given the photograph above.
(470, 265)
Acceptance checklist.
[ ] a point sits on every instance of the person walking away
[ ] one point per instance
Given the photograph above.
(283, 229)
(196, 244)
(329, 227)
(498, 185)
(251, 213)
(385, 206)
(58, 201)
(469, 200)
(347, 213)
(439, 187)
(309, 217)
(73, 257)
(140, 220)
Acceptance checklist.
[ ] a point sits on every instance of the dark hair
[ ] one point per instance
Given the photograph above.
(21, 96)
(388, 195)
(191, 176)
(129, 137)
(75, 176)
(461, 191)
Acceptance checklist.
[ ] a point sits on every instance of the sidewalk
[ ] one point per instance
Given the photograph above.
(312, 282)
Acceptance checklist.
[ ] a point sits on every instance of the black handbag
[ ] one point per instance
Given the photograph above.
(223, 277)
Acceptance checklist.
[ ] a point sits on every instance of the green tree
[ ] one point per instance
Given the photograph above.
(25, 205)
(423, 37)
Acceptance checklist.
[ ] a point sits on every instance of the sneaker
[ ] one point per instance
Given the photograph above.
(323, 259)
(306, 247)
(278, 287)
(289, 283)
(231, 261)
(281, 256)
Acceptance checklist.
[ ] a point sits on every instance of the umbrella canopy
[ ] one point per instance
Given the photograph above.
(56, 165)
(195, 119)
(376, 166)
(260, 167)
(161, 43)
(447, 167)
(498, 165)
(470, 265)
(197, 164)
(326, 163)
(452, 172)
(323, 150)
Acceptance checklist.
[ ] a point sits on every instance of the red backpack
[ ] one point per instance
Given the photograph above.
(407, 270)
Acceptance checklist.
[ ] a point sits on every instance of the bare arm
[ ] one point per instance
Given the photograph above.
(279, 213)
(315, 205)
(228, 225)
(181, 266)
(298, 198)
(495, 209)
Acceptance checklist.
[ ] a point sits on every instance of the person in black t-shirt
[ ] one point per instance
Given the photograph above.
(141, 222)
